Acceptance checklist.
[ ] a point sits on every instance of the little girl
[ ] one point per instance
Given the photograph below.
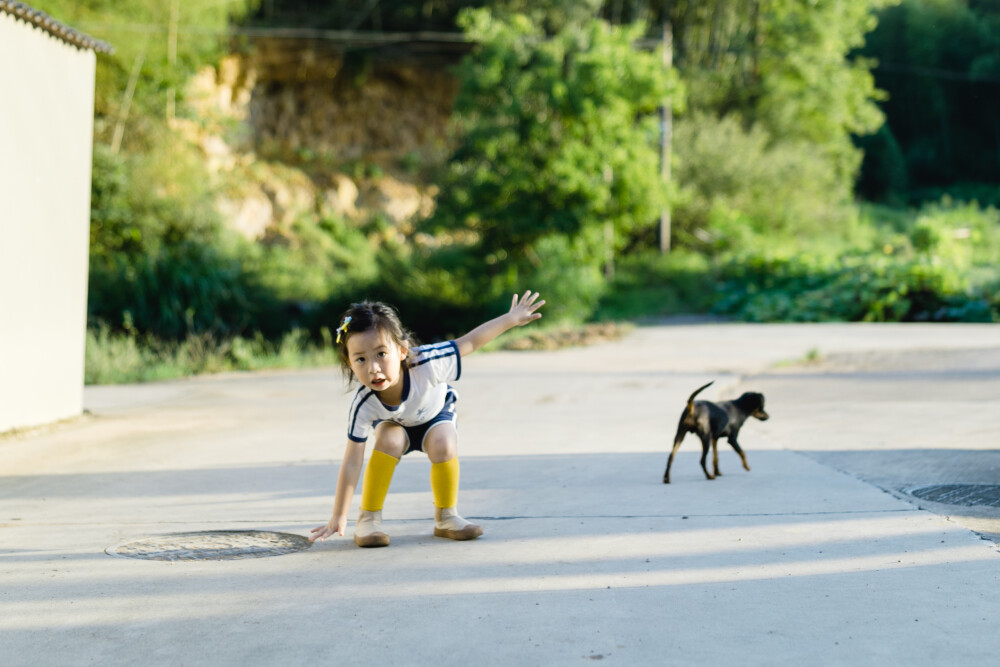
(404, 399)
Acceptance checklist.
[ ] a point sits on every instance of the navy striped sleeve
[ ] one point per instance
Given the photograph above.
(458, 360)
(439, 351)
(359, 400)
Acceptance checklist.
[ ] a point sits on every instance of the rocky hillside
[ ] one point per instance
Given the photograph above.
(293, 129)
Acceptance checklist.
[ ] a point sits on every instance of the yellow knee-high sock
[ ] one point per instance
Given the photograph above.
(378, 476)
(444, 483)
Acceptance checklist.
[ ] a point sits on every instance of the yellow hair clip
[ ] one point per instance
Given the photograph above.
(342, 329)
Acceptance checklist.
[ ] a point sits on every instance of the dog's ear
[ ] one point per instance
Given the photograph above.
(751, 399)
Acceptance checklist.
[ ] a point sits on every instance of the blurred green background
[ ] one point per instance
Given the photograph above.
(828, 160)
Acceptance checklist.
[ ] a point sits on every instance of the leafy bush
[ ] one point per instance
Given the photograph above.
(163, 263)
(317, 259)
(572, 285)
(870, 288)
(942, 268)
(651, 284)
(962, 234)
(936, 264)
(739, 183)
(183, 288)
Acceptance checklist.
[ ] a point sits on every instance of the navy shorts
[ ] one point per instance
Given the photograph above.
(415, 434)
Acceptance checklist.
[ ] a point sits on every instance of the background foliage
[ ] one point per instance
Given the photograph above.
(939, 63)
(785, 113)
(557, 163)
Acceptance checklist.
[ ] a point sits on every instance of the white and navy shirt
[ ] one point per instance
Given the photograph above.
(425, 385)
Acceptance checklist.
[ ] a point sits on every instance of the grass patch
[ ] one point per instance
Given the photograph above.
(121, 358)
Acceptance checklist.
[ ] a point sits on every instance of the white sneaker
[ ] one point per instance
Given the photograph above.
(368, 530)
(447, 523)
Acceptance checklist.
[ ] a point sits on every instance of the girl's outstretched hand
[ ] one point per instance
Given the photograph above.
(322, 532)
(523, 308)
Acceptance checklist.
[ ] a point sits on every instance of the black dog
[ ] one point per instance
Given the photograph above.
(711, 421)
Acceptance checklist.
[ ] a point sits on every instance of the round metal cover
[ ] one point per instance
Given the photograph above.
(968, 495)
(212, 545)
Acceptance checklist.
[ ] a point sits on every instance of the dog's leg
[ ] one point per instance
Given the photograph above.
(670, 459)
(715, 457)
(739, 450)
(706, 442)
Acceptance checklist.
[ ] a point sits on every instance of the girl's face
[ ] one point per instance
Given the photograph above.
(377, 362)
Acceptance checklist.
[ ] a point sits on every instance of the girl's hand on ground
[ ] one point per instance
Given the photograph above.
(523, 308)
(322, 532)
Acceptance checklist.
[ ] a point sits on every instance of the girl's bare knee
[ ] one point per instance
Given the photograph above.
(441, 443)
(390, 439)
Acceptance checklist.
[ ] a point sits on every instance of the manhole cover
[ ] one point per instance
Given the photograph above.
(968, 495)
(212, 545)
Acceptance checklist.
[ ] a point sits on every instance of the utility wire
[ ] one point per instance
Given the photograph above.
(288, 33)
(386, 38)
(936, 73)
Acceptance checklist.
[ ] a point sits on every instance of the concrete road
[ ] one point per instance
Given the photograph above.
(905, 421)
(818, 555)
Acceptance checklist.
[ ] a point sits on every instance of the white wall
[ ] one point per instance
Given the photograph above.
(46, 134)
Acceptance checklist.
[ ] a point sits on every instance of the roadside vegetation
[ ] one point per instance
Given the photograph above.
(808, 181)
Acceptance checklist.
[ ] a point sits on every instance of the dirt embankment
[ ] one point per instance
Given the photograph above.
(293, 128)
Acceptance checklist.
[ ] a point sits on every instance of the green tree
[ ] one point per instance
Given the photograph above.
(787, 69)
(736, 184)
(557, 162)
(809, 87)
(939, 62)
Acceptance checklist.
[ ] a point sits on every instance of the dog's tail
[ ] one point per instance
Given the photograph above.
(697, 391)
